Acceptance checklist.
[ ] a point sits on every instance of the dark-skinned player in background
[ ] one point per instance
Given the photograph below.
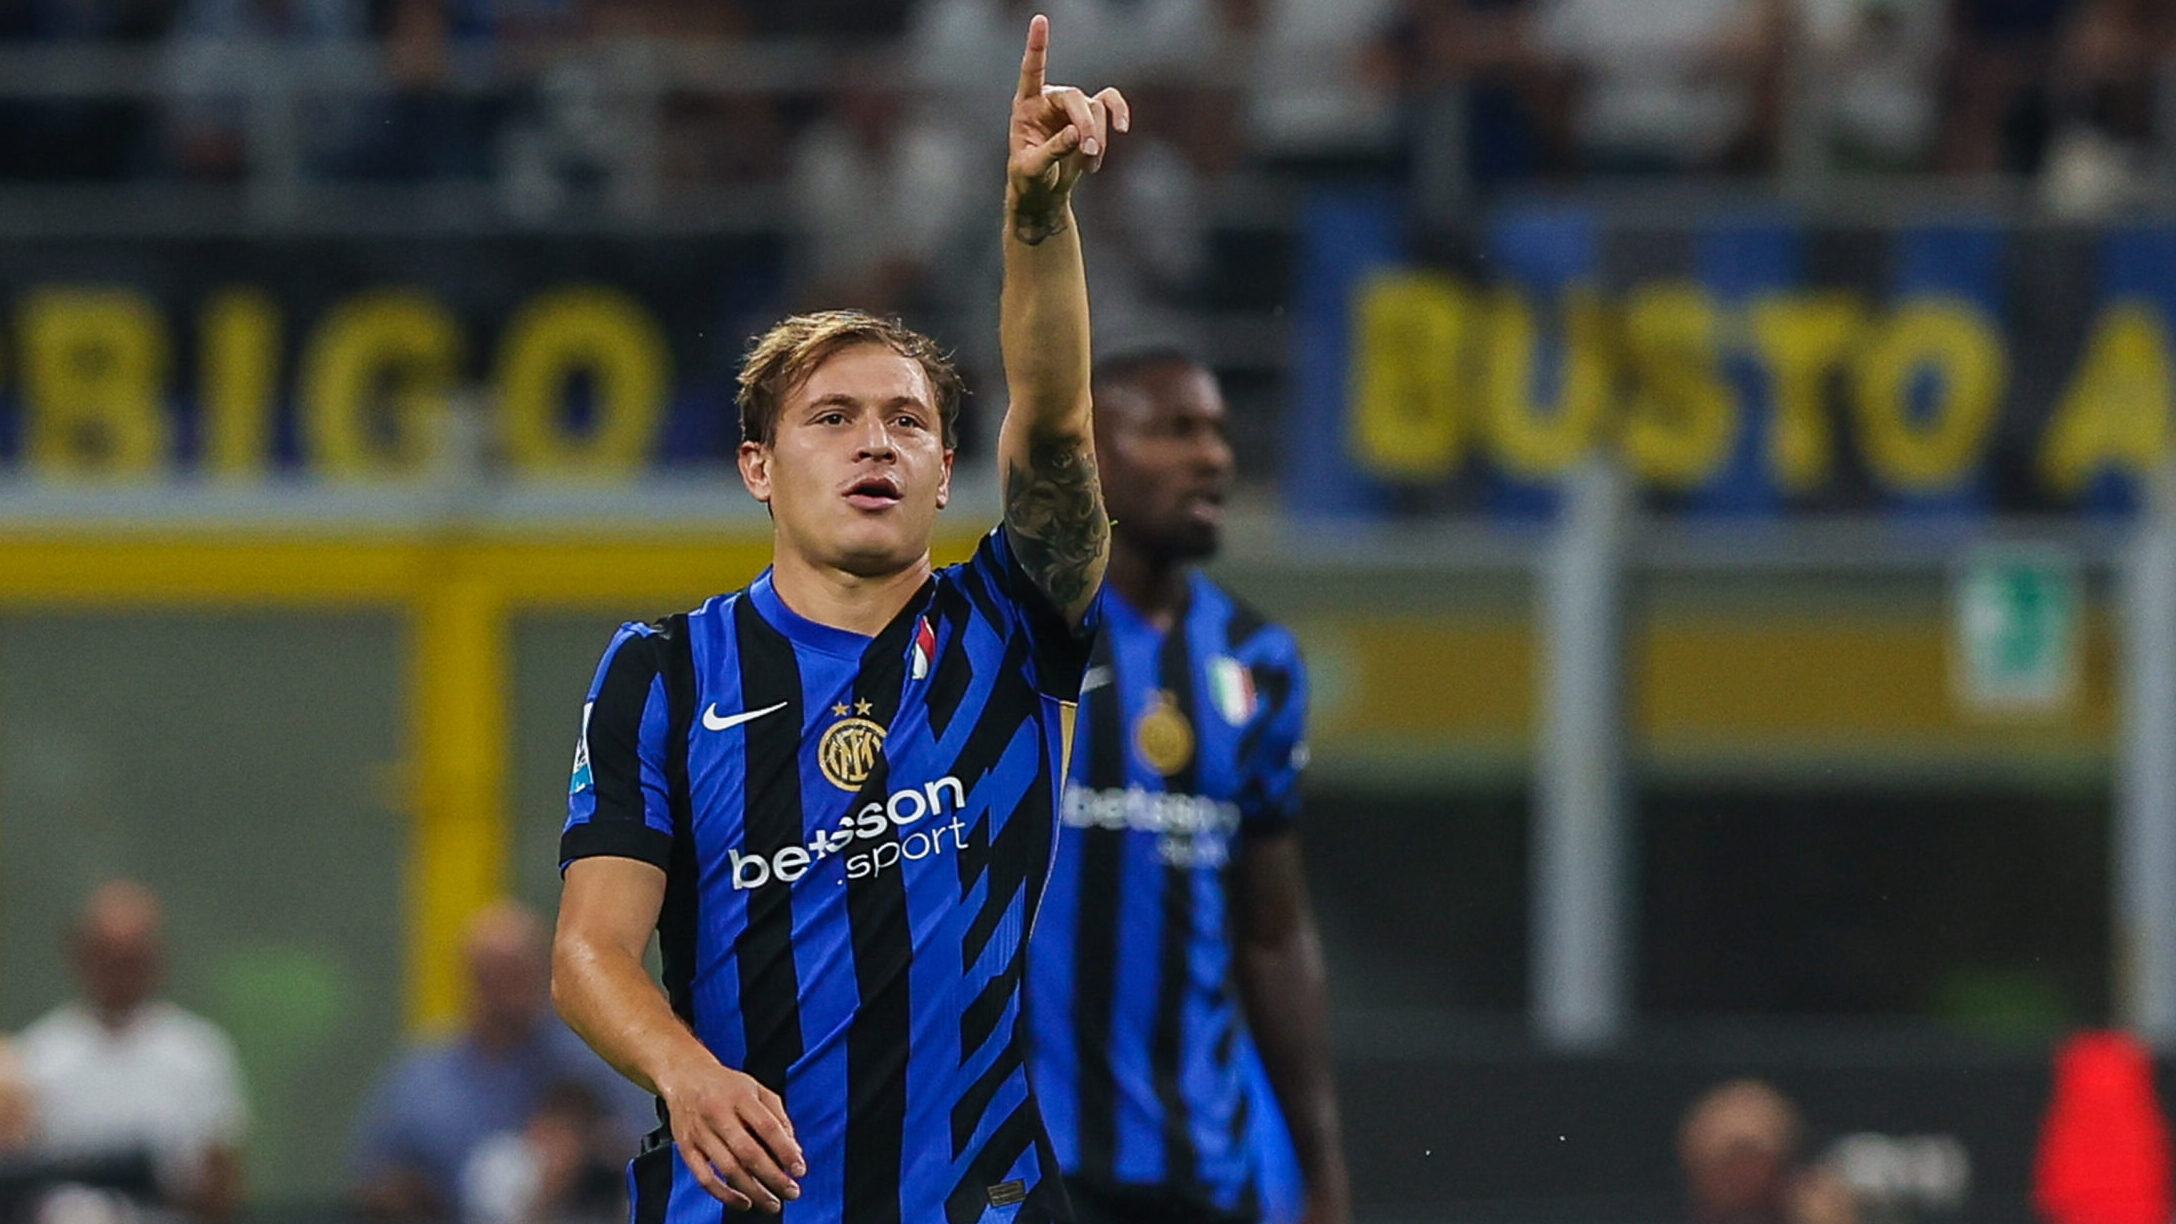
(1177, 1006)
(833, 794)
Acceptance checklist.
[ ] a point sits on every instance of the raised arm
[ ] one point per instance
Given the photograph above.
(1046, 448)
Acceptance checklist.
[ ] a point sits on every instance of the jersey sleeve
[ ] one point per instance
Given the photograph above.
(1057, 651)
(1274, 750)
(617, 801)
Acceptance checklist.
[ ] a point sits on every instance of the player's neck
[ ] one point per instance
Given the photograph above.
(1151, 585)
(853, 602)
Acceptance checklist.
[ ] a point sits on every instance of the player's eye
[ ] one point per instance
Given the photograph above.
(907, 420)
(834, 417)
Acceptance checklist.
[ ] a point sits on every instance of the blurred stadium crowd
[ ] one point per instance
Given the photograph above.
(551, 99)
(1556, 88)
(120, 1107)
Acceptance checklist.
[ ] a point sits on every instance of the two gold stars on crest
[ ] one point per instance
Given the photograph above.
(862, 708)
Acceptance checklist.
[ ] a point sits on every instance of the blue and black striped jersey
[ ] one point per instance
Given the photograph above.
(856, 833)
(1190, 741)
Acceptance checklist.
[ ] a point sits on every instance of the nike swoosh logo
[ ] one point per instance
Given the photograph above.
(1094, 678)
(714, 721)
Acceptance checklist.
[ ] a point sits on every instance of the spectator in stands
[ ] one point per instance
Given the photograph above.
(434, 1106)
(1997, 115)
(1869, 91)
(1739, 1150)
(879, 195)
(2104, 87)
(44, 1187)
(564, 1166)
(123, 1073)
(225, 53)
(1669, 86)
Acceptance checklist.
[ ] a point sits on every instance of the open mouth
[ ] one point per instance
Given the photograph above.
(1204, 503)
(874, 493)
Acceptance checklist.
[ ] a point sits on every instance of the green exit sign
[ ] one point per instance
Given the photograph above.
(2015, 629)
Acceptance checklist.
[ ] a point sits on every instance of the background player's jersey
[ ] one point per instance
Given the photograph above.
(856, 832)
(1188, 743)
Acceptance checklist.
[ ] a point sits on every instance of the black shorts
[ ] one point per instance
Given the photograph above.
(1100, 1202)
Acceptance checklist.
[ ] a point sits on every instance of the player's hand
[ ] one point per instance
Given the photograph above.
(1058, 132)
(734, 1136)
(1326, 1205)
(1319, 1214)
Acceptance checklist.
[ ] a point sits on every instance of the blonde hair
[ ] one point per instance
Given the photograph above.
(782, 358)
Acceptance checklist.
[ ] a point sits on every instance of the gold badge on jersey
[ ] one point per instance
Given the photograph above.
(848, 751)
(1163, 737)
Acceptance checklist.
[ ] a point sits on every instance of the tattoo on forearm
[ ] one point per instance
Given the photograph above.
(1054, 509)
(1032, 225)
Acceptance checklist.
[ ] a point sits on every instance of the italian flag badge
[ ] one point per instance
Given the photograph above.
(925, 648)
(1231, 687)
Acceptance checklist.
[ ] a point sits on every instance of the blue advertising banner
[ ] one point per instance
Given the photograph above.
(579, 359)
(1739, 364)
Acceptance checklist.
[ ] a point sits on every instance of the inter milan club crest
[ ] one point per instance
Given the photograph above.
(1163, 737)
(848, 751)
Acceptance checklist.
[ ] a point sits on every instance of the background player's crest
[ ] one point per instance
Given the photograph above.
(1163, 737)
(1231, 687)
(581, 779)
(848, 751)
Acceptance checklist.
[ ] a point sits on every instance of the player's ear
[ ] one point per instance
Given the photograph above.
(944, 480)
(755, 470)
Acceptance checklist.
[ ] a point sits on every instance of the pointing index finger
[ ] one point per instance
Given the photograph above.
(1033, 62)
